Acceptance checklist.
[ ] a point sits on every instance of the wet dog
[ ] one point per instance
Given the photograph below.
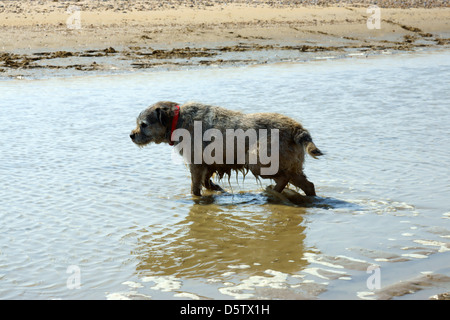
(215, 140)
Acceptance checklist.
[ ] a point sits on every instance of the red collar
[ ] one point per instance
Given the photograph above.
(174, 123)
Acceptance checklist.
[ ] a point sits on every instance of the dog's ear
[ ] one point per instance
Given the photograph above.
(165, 111)
(162, 115)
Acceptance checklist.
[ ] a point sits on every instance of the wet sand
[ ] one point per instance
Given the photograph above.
(117, 35)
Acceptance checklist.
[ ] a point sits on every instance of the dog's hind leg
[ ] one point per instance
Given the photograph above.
(300, 181)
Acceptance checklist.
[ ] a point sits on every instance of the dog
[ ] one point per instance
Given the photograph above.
(165, 121)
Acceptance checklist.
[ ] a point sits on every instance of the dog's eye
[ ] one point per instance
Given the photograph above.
(143, 125)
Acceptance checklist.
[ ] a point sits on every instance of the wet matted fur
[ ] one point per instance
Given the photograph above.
(154, 124)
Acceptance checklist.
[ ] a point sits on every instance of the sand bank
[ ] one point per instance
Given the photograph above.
(150, 34)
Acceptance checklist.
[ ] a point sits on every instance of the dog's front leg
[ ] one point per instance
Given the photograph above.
(212, 186)
(209, 184)
(198, 173)
(281, 183)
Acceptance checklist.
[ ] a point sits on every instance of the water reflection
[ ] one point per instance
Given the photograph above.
(212, 237)
(222, 230)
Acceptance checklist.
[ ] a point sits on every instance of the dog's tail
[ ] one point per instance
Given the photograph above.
(304, 138)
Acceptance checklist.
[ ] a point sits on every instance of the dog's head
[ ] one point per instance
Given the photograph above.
(154, 124)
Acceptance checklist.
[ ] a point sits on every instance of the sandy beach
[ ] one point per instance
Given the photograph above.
(170, 33)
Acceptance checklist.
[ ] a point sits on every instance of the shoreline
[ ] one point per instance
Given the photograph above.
(52, 37)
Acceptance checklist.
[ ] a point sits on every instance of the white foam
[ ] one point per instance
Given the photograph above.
(366, 295)
(187, 295)
(352, 259)
(132, 284)
(443, 247)
(164, 283)
(232, 291)
(126, 295)
(278, 280)
(415, 255)
(310, 257)
(382, 260)
(239, 266)
(315, 272)
(118, 296)
(276, 273)
(426, 272)
(309, 281)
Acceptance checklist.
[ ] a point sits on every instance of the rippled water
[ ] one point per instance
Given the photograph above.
(82, 205)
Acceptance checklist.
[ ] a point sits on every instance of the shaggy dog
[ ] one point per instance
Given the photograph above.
(225, 140)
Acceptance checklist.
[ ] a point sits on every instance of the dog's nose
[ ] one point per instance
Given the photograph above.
(132, 136)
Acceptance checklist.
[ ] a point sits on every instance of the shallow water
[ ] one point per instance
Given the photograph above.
(76, 191)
